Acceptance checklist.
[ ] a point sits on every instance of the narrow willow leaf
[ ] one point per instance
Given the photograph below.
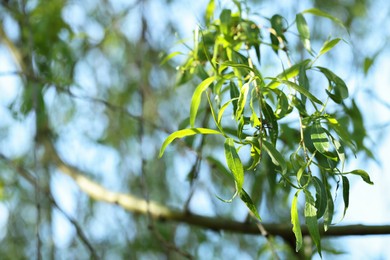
(328, 216)
(196, 98)
(223, 108)
(310, 213)
(255, 151)
(321, 196)
(254, 118)
(275, 155)
(184, 133)
(345, 194)
(270, 119)
(328, 45)
(242, 100)
(249, 203)
(225, 19)
(283, 106)
(210, 11)
(289, 73)
(302, 90)
(318, 12)
(234, 163)
(234, 94)
(340, 151)
(336, 83)
(341, 132)
(295, 222)
(169, 57)
(362, 174)
(303, 81)
(320, 138)
(304, 31)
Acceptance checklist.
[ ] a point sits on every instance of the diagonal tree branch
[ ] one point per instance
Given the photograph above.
(163, 213)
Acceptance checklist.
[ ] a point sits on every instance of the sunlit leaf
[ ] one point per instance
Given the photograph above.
(223, 108)
(289, 73)
(304, 31)
(196, 98)
(301, 90)
(249, 203)
(328, 45)
(234, 163)
(310, 213)
(210, 11)
(242, 100)
(295, 222)
(320, 138)
(184, 133)
(362, 174)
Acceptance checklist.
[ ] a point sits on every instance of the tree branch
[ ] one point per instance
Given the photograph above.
(163, 213)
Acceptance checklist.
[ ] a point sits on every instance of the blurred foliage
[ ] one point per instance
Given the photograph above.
(87, 77)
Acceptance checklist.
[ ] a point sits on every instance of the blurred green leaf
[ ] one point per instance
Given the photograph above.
(320, 13)
(304, 31)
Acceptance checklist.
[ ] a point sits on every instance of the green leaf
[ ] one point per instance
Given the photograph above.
(275, 155)
(169, 57)
(341, 132)
(304, 31)
(362, 174)
(249, 203)
(184, 133)
(321, 197)
(210, 11)
(242, 100)
(345, 194)
(225, 18)
(328, 45)
(255, 151)
(196, 98)
(336, 84)
(223, 108)
(320, 138)
(318, 12)
(328, 215)
(234, 163)
(295, 222)
(301, 90)
(310, 213)
(289, 73)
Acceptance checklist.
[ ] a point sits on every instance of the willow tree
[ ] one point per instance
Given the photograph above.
(265, 133)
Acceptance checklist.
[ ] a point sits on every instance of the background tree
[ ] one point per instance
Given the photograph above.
(86, 105)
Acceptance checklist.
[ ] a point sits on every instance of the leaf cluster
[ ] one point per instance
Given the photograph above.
(278, 116)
